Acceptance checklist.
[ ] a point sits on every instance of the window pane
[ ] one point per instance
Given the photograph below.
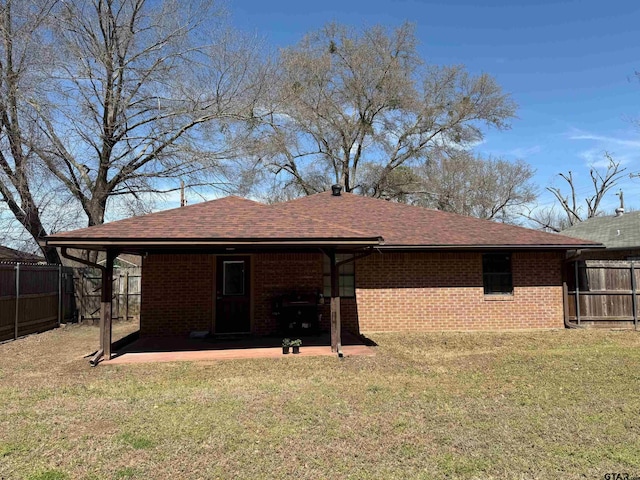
(347, 286)
(347, 292)
(347, 281)
(233, 281)
(497, 283)
(327, 286)
(346, 275)
(347, 268)
(497, 273)
(496, 263)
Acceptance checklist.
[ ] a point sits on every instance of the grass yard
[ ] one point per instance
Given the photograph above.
(560, 404)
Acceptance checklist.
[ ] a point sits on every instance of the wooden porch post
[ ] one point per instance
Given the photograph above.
(336, 341)
(106, 305)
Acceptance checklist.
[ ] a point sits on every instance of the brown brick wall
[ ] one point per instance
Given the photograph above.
(277, 274)
(444, 291)
(177, 294)
(177, 291)
(394, 292)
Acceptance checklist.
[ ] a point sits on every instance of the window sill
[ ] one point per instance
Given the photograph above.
(499, 297)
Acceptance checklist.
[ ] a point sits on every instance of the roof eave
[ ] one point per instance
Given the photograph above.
(492, 247)
(107, 243)
(636, 247)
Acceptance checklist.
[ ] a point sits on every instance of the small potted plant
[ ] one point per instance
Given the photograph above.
(286, 343)
(295, 345)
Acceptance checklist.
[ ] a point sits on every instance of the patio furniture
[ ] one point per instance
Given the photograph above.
(297, 313)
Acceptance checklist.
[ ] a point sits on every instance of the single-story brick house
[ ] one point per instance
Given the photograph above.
(222, 265)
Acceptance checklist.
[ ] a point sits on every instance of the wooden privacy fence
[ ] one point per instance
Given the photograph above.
(126, 293)
(33, 298)
(603, 293)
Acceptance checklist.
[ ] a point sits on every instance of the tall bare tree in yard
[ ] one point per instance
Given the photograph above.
(345, 104)
(569, 208)
(110, 101)
(24, 55)
(137, 85)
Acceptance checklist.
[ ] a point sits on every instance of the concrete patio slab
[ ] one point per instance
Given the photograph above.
(233, 354)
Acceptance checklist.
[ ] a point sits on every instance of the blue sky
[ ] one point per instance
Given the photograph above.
(570, 66)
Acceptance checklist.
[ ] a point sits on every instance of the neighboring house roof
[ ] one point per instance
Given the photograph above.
(10, 255)
(621, 231)
(318, 219)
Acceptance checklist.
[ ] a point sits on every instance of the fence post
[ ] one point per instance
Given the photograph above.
(577, 273)
(126, 296)
(634, 299)
(15, 332)
(59, 294)
(116, 295)
(81, 288)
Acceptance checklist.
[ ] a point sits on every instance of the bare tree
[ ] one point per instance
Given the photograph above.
(403, 184)
(547, 219)
(490, 188)
(347, 104)
(113, 100)
(133, 94)
(572, 210)
(23, 56)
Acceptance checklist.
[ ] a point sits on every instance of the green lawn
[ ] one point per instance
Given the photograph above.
(559, 404)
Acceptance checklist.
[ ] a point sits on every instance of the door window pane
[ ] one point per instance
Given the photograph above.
(233, 278)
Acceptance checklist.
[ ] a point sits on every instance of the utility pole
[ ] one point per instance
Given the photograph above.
(183, 200)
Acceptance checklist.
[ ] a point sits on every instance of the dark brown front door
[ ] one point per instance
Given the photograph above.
(233, 298)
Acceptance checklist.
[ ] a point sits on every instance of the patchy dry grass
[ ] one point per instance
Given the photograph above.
(562, 404)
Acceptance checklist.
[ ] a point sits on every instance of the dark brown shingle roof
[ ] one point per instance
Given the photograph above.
(407, 225)
(225, 218)
(320, 216)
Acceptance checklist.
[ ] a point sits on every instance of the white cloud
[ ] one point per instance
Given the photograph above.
(622, 148)
(523, 152)
(607, 140)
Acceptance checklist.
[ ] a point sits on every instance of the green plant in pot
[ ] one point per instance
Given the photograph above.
(295, 345)
(286, 343)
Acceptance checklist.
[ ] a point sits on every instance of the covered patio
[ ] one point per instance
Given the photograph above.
(218, 247)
